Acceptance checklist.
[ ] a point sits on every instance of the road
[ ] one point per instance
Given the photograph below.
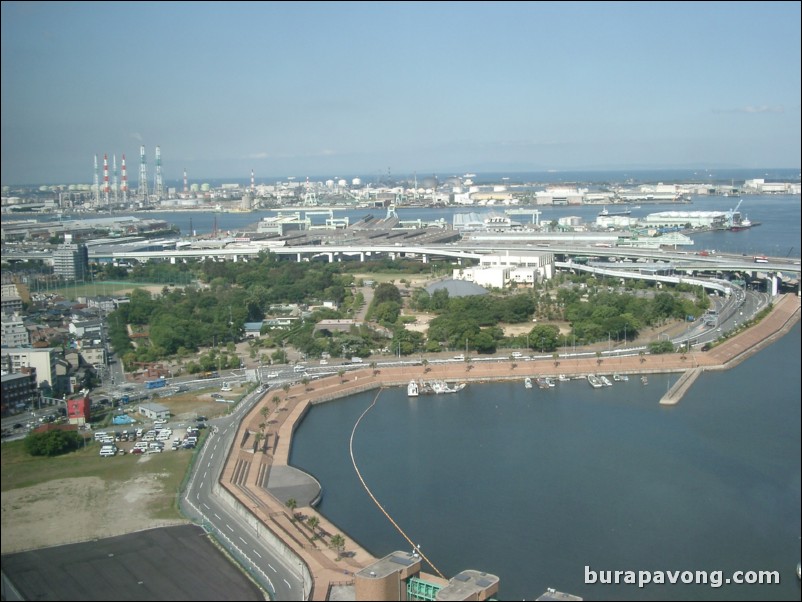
(244, 540)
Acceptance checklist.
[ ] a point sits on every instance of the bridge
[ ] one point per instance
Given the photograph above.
(630, 259)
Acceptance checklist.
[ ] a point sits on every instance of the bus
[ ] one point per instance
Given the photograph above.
(156, 384)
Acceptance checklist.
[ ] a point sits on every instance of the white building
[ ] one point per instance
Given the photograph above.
(154, 411)
(44, 360)
(14, 332)
(498, 270)
(11, 301)
(489, 277)
(681, 219)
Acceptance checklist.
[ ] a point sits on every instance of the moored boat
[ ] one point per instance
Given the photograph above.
(412, 389)
(528, 383)
(594, 381)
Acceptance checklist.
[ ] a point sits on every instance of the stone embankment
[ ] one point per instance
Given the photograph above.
(250, 469)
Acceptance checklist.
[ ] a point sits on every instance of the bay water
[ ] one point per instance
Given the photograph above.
(536, 485)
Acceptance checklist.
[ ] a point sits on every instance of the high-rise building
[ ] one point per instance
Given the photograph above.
(71, 261)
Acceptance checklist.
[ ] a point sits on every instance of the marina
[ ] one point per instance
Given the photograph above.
(508, 426)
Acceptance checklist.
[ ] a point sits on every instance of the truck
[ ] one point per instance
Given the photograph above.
(761, 259)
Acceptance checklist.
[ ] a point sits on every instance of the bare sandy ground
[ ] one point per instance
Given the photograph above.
(79, 509)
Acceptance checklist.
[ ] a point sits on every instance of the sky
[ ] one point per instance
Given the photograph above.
(342, 89)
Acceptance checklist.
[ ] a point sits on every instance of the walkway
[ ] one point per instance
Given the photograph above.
(261, 480)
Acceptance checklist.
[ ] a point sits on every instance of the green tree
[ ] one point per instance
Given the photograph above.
(338, 543)
(292, 504)
(313, 522)
(52, 443)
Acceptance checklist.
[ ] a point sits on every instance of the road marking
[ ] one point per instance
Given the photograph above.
(287, 582)
(257, 553)
(272, 568)
(217, 516)
(204, 474)
(229, 527)
(242, 540)
(211, 457)
(205, 506)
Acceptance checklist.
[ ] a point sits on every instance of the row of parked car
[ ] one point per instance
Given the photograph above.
(151, 441)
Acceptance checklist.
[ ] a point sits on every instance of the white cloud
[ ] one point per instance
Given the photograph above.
(751, 109)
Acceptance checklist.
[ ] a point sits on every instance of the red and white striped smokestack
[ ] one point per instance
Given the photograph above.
(186, 188)
(124, 176)
(106, 174)
(253, 186)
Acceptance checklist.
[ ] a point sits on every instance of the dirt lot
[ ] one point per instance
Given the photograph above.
(80, 509)
(136, 493)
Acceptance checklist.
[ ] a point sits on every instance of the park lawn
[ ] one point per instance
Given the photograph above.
(19, 469)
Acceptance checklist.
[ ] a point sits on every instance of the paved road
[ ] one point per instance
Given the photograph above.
(243, 539)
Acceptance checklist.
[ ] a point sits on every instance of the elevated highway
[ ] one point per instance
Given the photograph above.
(633, 259)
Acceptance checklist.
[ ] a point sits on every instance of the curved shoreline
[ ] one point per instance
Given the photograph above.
(246, 474)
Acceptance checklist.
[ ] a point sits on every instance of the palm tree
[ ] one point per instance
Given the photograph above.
(556, 357)
(313, 522)
(276, 400)
(425, 363)
(264, 412)
(262, 426)
(292, 504)
(599, 358)
(469, 366)
(257, 439)
(641, 354)
(373, 367)
(286, 388)
(513, 366)
(338, 543)
(305, 381)
(340, 373)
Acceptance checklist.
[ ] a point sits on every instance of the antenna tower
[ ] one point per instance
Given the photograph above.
(143, 174)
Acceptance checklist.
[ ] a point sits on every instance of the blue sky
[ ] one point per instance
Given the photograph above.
(359, 88)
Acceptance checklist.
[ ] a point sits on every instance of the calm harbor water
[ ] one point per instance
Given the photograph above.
(533, 485)
(778, 234)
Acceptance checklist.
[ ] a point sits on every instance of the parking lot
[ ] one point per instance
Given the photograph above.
(150, 438)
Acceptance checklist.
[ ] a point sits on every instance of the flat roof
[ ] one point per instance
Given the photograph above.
(389, 565)
(465, 585)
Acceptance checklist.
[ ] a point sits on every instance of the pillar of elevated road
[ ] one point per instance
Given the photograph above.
(331, 257)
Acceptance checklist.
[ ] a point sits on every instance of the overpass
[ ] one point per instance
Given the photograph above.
(658, 259)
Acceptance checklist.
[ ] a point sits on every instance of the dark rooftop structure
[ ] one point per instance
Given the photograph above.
(457, 288)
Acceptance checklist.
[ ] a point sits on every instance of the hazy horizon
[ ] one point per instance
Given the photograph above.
(365, 88)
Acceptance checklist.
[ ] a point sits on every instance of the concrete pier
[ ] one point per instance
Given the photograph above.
(684, 383)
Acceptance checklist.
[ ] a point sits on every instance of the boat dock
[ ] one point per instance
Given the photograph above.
(675, 393)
